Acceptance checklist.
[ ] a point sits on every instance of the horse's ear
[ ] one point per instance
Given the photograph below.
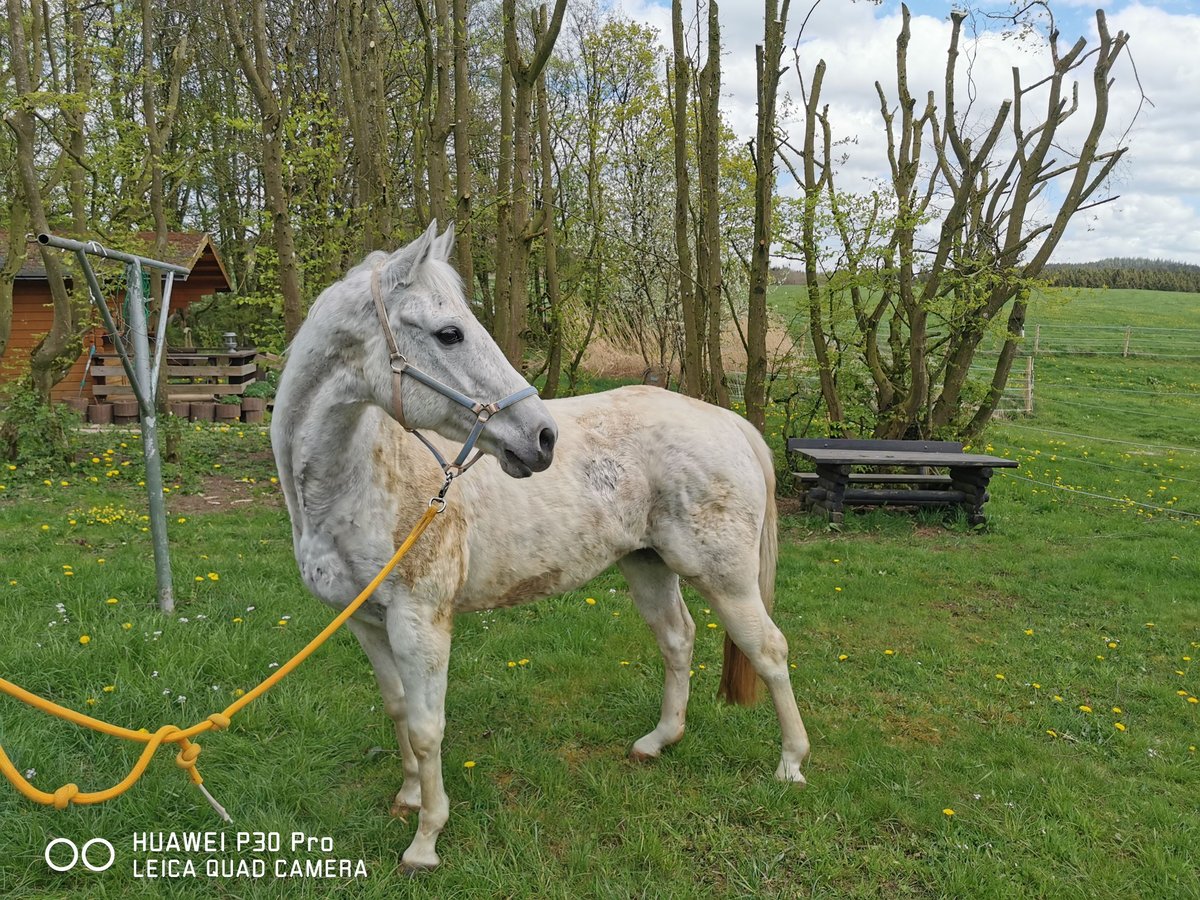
(402, 267)
(444, 245)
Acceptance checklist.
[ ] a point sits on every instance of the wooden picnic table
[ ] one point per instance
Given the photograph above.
(835, 483)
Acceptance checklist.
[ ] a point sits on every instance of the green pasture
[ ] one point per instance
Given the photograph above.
(963, 691)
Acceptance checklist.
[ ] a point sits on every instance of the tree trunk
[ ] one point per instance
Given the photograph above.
(462, 149)
(58, 350)
(261, 74)
(692, 363)
(517, 232)
(440, 125)
(549, 214)
(709, 244)
(767, 59)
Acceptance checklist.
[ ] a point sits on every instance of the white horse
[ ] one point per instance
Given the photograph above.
(663, 485)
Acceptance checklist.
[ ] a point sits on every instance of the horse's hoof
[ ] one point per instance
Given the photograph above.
(414, 868)
(641, 755)
(790, 772)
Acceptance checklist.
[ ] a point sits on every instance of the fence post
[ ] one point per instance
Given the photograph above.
(1128, 332)
(1037, 339)
(1029, 385)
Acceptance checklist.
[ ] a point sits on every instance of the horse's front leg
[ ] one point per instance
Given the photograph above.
(374, 641)
(420, 643)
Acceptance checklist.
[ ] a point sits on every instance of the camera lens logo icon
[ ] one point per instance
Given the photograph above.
(91, 854)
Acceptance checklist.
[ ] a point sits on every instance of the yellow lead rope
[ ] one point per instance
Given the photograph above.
(170, 734)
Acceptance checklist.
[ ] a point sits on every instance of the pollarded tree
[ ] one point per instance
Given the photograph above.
(919, 308)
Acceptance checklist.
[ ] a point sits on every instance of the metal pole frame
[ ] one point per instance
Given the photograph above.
(143, 378)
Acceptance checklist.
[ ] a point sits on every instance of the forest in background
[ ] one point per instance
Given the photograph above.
(583, 157)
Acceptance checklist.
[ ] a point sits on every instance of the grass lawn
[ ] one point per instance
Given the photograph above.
(937, 669)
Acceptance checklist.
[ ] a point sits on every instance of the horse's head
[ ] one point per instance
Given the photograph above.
(436, 333)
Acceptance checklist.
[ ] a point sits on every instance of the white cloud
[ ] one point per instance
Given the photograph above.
(1157, 213)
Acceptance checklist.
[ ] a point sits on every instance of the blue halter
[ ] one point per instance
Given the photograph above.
(483, 413)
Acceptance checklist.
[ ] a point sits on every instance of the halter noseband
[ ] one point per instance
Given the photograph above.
(400, 367)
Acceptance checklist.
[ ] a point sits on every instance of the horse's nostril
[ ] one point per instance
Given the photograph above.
(546, 441)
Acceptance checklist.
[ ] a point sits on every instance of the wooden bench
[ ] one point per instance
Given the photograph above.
(835, 485)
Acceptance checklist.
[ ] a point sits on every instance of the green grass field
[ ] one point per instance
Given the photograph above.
(938, 670)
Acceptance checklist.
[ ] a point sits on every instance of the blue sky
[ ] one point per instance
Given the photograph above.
(1157, 212)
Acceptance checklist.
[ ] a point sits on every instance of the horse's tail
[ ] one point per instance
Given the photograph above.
(739, 682)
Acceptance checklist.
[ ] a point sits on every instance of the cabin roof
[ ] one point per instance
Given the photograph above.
(184, 248)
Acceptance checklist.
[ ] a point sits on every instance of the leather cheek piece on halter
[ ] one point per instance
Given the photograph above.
(401, 367)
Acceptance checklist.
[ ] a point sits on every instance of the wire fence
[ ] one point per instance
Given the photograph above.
(1114, 340)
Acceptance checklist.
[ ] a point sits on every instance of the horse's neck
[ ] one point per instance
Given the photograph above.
(340, 451)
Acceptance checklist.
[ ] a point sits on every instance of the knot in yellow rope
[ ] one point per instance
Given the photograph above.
(220, 721)
(187, 755)
(65, 795)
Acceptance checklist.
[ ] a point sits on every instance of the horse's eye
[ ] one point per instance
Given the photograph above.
(449, 336)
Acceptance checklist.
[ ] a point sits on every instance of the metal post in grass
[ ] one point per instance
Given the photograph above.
(143, 379)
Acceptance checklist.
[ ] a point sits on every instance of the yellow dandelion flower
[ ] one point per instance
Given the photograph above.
(109, 688)
(1117, 710)
(522, 662)
(91, 701)
(999, 676)
(838, 589)
(469, 764)
(1193, 700)
(126, 625)
(1051, 732)
(1036, 686)
(590, 601)
(712, 624)
(85, 639)
(199, 577)
(112, 601)
(889, 652)
(947, 812)
(45, 528)
(1029, 631)
(213, 576)
(281, 622)
(1112, 645)
(842, 657)
(237, 619)
(624, 662)
(237, 692)
(1119, 726)
(1086, 709)
(512, 664)
(1182, 693)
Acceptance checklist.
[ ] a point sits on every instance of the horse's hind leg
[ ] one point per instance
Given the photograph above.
(738, 604)
(375, 644)
(655, 590)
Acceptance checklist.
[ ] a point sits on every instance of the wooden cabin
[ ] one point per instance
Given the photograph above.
(33, 306)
